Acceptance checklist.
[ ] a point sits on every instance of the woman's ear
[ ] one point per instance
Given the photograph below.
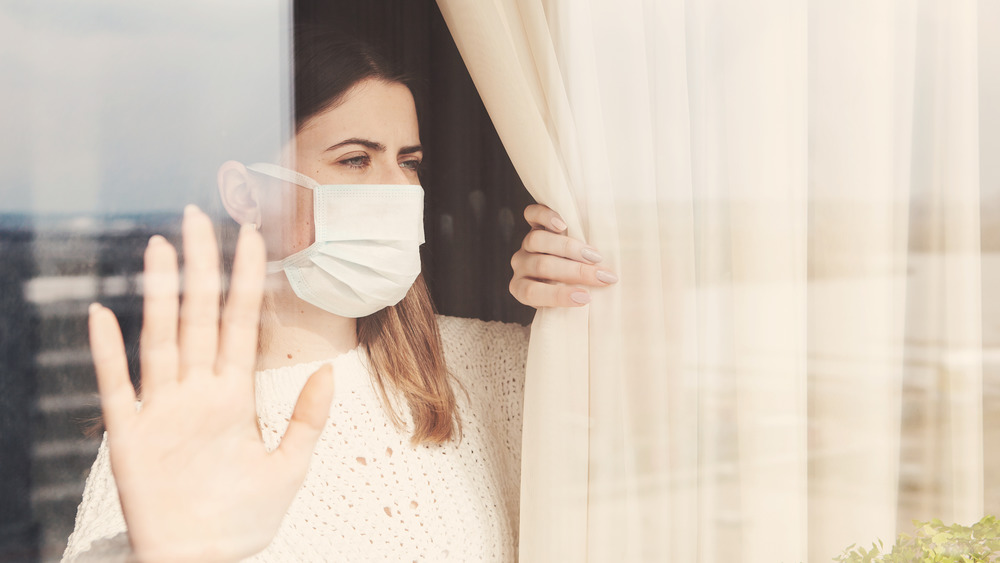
(238, 193)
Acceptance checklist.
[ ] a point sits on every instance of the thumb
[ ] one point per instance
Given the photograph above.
(309, 416)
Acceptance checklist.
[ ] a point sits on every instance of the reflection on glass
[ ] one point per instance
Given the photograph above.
(804, 352)
(116, 115)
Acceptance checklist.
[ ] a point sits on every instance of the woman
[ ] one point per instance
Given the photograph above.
(417, 456)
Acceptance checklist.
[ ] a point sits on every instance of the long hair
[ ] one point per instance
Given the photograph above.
(402, 342)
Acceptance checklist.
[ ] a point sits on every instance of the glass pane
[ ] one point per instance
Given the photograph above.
(121, 114)
(117, 114)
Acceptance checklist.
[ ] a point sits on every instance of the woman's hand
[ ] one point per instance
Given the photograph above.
(195, 481)
(551, 269)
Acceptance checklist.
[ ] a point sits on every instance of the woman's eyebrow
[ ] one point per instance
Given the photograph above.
(373, 145)
(411, 149)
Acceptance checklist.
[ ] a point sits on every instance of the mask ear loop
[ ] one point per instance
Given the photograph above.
(284, 174)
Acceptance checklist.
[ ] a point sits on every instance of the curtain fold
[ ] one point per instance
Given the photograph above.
(789, 191)
(503, 61)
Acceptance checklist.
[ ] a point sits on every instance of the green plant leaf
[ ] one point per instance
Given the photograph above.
(934, 542)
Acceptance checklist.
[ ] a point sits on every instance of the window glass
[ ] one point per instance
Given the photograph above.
(116, 115)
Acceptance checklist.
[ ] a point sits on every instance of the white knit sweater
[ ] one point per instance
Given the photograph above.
(369, 495)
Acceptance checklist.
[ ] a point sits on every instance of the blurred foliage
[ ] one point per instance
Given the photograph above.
(934, 542)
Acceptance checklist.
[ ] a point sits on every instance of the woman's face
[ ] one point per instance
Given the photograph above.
(371, 137)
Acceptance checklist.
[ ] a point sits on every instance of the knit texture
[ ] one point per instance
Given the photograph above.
(369, 495)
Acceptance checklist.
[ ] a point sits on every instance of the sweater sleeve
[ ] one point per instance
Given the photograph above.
(491, 356)
(508, 380)
(100, 532)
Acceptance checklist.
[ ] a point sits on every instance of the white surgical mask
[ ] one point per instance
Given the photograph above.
(367, 249)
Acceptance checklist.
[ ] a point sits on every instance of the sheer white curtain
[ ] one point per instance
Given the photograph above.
(793, 360)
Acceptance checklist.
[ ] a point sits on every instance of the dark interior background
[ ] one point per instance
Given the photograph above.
(474, 198)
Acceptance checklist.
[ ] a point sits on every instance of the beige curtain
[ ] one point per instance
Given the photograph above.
(796, 355)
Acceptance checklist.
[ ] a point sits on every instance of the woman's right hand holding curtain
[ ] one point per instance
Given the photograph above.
(551, 269)
(194, 478)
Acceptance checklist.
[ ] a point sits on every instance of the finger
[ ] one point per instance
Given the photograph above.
(113, 383)
(542, 217)
(540, 294)
(543, 267)
(308, 418)
(544, 242)
(241, 317)
(199, 321)
(158, 343)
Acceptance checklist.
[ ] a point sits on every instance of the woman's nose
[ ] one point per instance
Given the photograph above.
(392, 173)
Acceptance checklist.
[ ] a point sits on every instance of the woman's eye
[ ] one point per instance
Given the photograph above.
(356, 162)
(413, 165)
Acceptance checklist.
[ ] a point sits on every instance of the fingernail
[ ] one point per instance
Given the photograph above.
(558, 224)
(606, 276)
(581, 297)
(94, 307)
(191, 209)
(156, 239)
(591, 255)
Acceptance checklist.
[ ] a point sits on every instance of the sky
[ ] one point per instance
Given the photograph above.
(124, 106)
(118, 106)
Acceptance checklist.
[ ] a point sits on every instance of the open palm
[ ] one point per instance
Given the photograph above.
(194, 478)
